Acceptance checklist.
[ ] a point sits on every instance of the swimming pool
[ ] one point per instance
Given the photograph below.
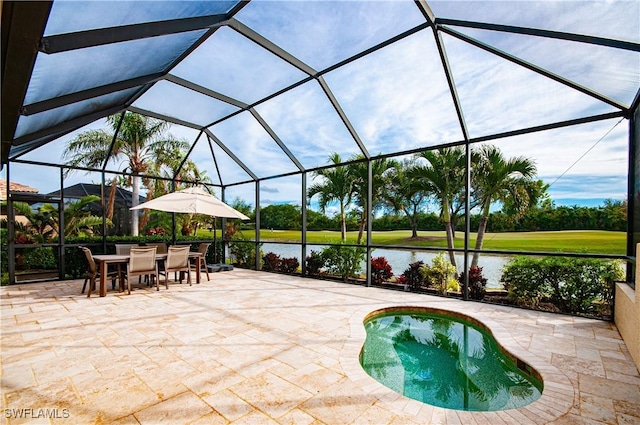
(445, 359)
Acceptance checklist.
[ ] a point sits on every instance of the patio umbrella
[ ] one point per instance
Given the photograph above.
(193, 200)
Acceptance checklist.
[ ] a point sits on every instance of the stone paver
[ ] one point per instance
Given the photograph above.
(251, 347)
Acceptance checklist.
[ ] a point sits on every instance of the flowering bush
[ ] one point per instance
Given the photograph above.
(289, 265)
(23, 239)
(155, 231)
(271, 262)
(413, 277)
(441, 273)
(380, 270)
(477, 283)
(315, 262)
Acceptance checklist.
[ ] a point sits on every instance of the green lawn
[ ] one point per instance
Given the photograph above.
(591, 241)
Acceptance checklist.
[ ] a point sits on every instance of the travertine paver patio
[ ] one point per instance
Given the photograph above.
(257, 348)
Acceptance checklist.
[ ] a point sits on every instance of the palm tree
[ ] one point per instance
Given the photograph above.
(140, 142)
(336, 186)
(44, 225)
(443, 175)
(379, 182)
(404, 194)
(496, 179)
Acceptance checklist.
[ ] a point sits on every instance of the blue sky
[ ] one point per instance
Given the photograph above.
(397, 98)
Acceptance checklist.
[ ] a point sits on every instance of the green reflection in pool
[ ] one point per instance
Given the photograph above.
(444, 361)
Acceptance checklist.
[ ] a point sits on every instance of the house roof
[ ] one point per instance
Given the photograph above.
(77, 191)
(14, 187)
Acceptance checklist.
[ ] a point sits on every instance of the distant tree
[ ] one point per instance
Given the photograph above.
(335, 185)
(284, 217)
(379, 184)
(141, 142)
(405, 194)
(442, 173)
(497, 179)
(243, 206)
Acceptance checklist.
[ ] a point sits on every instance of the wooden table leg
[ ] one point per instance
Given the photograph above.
(200, 260)
(103, 278)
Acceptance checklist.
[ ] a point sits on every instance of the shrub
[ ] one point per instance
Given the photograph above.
(477, 283)
(36, 258)
(289, 265)
(244, 251)
(522, 279)
(344, 261)
(413, 277)
(158, 230)
(380, 270)
(271, 262)
(441, 274)
(315, 263)
(574, 285)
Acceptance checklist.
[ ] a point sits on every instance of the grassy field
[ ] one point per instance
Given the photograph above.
(591, 241)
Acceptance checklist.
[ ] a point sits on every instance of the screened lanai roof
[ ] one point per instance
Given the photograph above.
(266, 88)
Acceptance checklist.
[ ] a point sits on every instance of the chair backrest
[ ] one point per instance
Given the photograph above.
(142, 259)
(123, 249)
(161, 247)
(92, 264)
(177, 256)
(203, 248)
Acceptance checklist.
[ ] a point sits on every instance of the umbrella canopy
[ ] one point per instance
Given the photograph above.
(193, 200)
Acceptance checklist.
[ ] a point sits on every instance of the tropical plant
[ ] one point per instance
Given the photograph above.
(413, 277)
(496, 179)
(336, 185)
(43, 224)
(140, 141)
(344, 261)
(289, 265)
(380, 270)
(443, 175)
(441, 274)
(271, 262)
(521, 278)
(405, 194)
(477, 282)
(359, 172)
(314, 263)
(243, 251)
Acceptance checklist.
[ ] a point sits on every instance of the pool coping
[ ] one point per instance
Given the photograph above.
(556, 399)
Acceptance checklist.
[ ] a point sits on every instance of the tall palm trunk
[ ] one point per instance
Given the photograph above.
(482, 227)
(343, 224)
(414, 223)
(112, 198)
(363, 223)
(135, 201)
(449, 232)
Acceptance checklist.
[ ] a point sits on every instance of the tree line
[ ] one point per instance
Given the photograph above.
(609, 216)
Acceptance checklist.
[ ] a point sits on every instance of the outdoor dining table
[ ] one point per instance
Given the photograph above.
(105, 259)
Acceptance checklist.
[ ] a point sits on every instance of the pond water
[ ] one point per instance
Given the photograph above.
(400, 259)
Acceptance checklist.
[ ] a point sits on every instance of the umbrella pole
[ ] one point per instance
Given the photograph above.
(215, 245)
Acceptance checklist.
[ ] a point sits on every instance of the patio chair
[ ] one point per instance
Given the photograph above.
(123, 249)
(200, 263)
(161, 247)
(142, 262)
(93, 273)
(178, 262)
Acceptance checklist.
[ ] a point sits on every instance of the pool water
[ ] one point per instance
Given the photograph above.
(445, 361)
